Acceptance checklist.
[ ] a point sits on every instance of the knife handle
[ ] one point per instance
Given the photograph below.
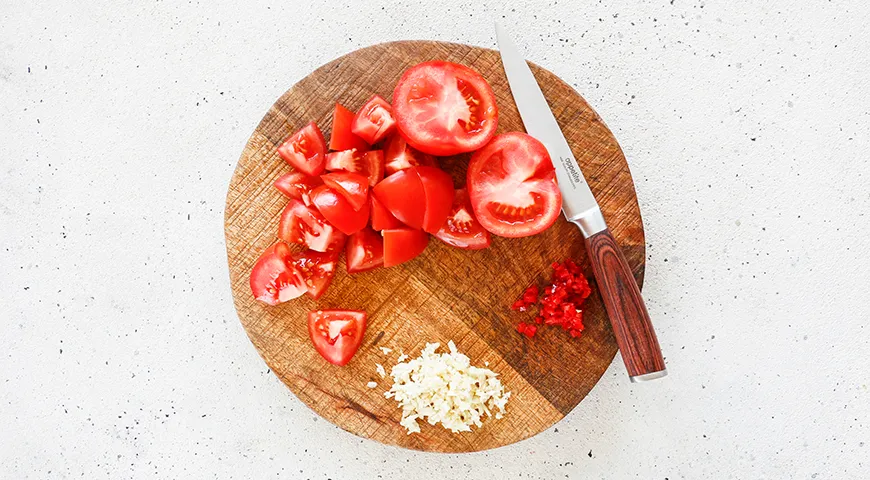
(631, 323)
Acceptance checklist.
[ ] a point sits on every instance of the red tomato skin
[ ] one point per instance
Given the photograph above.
(344, 347)
(402, 194)
(382, 219)
(274, 279)
(306, 226)
(317, 269)
(305, 150)
(374, 121)
(297, 185)
(338, 211)
(461, 229)
(342, 137)
(438, 189)
(353, 186)
(365, 251)
(398, 155)
(403, 244)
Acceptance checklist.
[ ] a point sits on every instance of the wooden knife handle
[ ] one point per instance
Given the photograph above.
(631, 323)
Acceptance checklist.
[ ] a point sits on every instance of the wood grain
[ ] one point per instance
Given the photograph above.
(446, 293)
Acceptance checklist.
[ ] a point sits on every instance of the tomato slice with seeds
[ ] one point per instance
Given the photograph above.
(461, 229)
(374, 121)
(402, 194)
(274, 279)
(438, 190)
(353, 186)
(444, 108)
(382, 219)
(365, 251)
(338, 211)
(305, 150)
(512, 186)
(403, 244)
(336, 334)
(370, 164)
(317, 269)
(342, 138)
(398, 155)
(297, 185)
(306, 226)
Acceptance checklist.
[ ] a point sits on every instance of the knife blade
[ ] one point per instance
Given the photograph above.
(622, 299)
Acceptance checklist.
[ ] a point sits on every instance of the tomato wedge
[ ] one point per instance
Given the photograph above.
(438, 190)
(305, 150)
(274, 279)
(382, 219)
(370, 164)
(306, 226)
(398, 155)
(461, 229)
(512, 186)
(338, 211)
(297, 185)
(403, 244)
(336, 334)
(317, 270)
(374, 120)
(444, 108)
(402, 194)
(353, 186)
(342, 138)
(365, 251)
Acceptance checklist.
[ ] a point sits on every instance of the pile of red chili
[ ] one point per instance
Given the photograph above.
(561, 301)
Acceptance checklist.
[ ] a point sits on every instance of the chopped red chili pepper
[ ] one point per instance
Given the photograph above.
(526, 329)
(561, 301)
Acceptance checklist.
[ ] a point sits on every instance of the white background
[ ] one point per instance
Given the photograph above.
(746, 127)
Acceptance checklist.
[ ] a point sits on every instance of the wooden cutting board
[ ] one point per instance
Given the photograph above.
(445, 293)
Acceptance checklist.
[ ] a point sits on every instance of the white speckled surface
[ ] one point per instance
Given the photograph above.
(747, 128)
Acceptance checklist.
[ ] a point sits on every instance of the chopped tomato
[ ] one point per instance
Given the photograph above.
(374, 120)
(338, 211)
(353, 186)
(306, 226)
(402, 194)
(317, 270)
(438, 190)
(274, 279)
(370, 164)
(444, 108)
(398, 155)
(403, 244)
(297, 185)
(342, 138)
(382, 219)
(512, 186)
(461, 229)
(336, 334)
(305, 150)
(365, 251)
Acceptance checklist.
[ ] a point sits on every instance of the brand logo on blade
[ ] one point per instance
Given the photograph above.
(573, 172)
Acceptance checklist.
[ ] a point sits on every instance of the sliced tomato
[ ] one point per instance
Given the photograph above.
(297, 185)
(336, 334)
(398, 155)
(370, 164)
(305, 150)
(306, 226)
(512, 186)
(444, 108)
(317, 270)
(274, 279)
(338, 211)
(403, 244)
(365, 251)
(382, 219)
(402, 194)
(342, 138)
(353, 186)
(461, 229)
(374, 121)
(438, 190)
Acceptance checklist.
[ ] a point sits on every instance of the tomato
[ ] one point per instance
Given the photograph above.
(338, 211)
(336, 334)
(382, 218)
(342, 138)
(512, 186)
(317, 270)
(402, 194)
(370, 164)
(305, 225)
(399, 156)
(444, 108)
(305, 150)
(365, 251)
(403, 244)
(438, 190)
(462, 230)
(297, 185)
(353, 186)
(274, 279)
(374, 120)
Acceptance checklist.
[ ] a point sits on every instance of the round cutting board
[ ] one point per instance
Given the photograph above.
(445, 293)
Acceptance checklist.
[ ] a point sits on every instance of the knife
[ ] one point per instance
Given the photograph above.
(622, 300)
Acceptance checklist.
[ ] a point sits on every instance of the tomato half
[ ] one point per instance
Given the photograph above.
(353, 186)
(297, 185)
(402, 194)
(444, 108)
(512, 186)
(336, 334)
(374, 120)
(317, 270)
(305, 150)
(274, 279)
(370, 164)
(403, 244)
(306, 226)
(365, 251)
(438, 190)
(382, 219)
(342, 138)
(398, 155)
(338, 211)
(461, 229)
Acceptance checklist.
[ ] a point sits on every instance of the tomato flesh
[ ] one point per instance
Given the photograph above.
(402, 194)
(438, 190)
(374, 121)
(306, 226)
(370, 164)
(353, 186)
(512, 186)
(338, 211)
(342, 137)
(336, 334)
(317, 270)
(398, 155)
(305, 150)
(297, 185)
(403, 244)
(461, 229)
(274, 279)
(365, 251)
(382, 219)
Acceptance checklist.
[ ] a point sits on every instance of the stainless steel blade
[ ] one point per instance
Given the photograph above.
(578, 203)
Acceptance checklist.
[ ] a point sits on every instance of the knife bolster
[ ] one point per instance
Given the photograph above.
(590, 222)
